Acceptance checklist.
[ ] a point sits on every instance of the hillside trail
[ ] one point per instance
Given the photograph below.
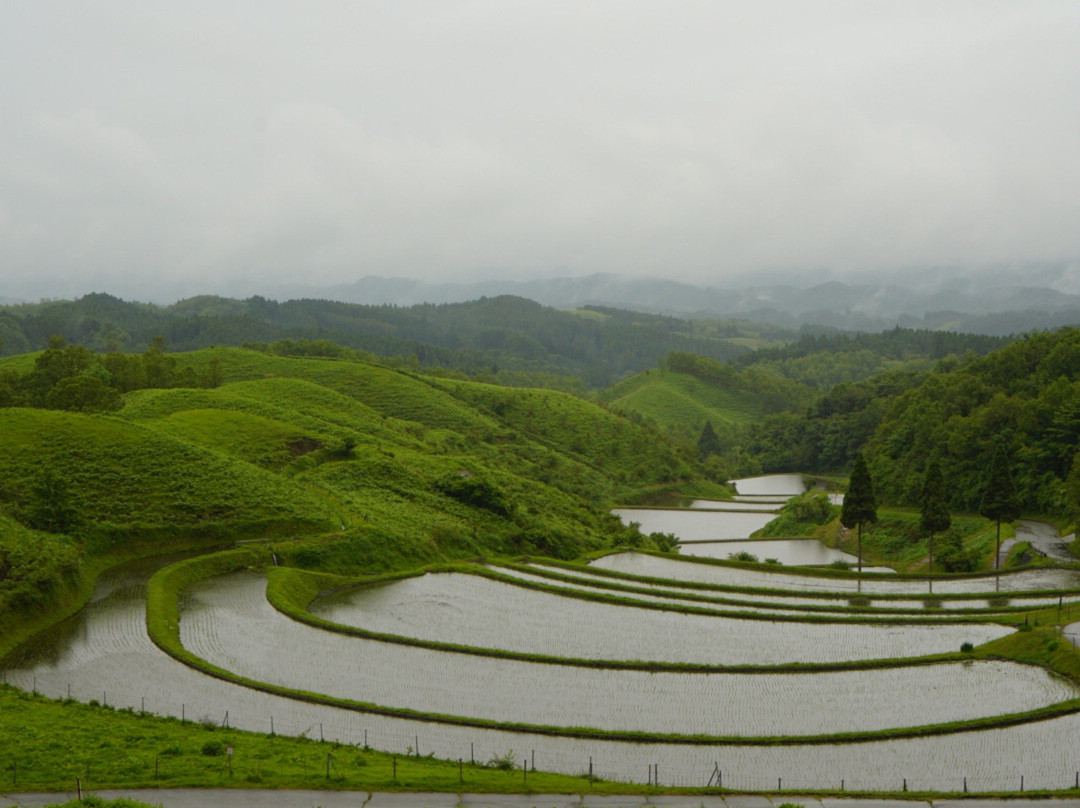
(1044, 539)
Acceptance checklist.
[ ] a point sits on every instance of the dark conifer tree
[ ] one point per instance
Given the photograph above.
(860, 505)
(935, 512)
(708, 443)
(999, 499)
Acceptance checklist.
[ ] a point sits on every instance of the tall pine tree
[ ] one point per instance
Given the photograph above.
(935, 512)
(999, 499)
(708, 443)
(860, 505)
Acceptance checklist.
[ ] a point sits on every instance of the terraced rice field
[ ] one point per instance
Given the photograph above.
(654, 566)
(791, 552)
(229, 623)
(737, 504)
(669, 591)
(771, 485)
(104, 654)
(447, 608)
(697, 525)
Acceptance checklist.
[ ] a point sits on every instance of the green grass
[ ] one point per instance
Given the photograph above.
(678, 401)
(127, 477)
(60, 741)
(897, 540)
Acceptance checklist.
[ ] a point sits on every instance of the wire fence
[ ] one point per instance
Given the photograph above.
(642, 764)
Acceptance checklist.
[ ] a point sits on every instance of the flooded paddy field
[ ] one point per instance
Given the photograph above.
(468, 610)
(771, 485)
(791, 552)
(695, 525)
(593, 585)
(228, 622)
(654, 566)
(707, 527)
(670, 590)
(104, 653)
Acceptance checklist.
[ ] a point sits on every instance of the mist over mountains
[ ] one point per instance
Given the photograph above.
(998, 300)
(1003, 299)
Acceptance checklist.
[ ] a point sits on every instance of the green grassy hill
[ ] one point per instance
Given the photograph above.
(682, 403)
(377, 468)
(126, 479)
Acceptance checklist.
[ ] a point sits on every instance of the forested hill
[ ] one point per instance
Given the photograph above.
(596, 345)
(1024, 397)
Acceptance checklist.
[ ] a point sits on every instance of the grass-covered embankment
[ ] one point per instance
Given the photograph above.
(106, 748)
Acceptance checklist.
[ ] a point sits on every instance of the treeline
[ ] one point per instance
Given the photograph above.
(897, 343)
(1023, 398)
(489, 335)
(72, 377)
(824, 360)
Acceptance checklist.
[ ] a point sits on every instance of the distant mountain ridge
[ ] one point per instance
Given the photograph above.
(1002, 300)
(964, 304)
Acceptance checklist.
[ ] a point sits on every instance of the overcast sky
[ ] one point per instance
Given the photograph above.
(326, 141)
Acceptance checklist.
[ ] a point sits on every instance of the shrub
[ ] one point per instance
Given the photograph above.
(967, 647)
(213, 749)
(504, 762)
(813, 507)
(474, 491)
(743, 555)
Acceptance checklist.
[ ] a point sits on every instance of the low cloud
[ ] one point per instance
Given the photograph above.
(453, 140)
